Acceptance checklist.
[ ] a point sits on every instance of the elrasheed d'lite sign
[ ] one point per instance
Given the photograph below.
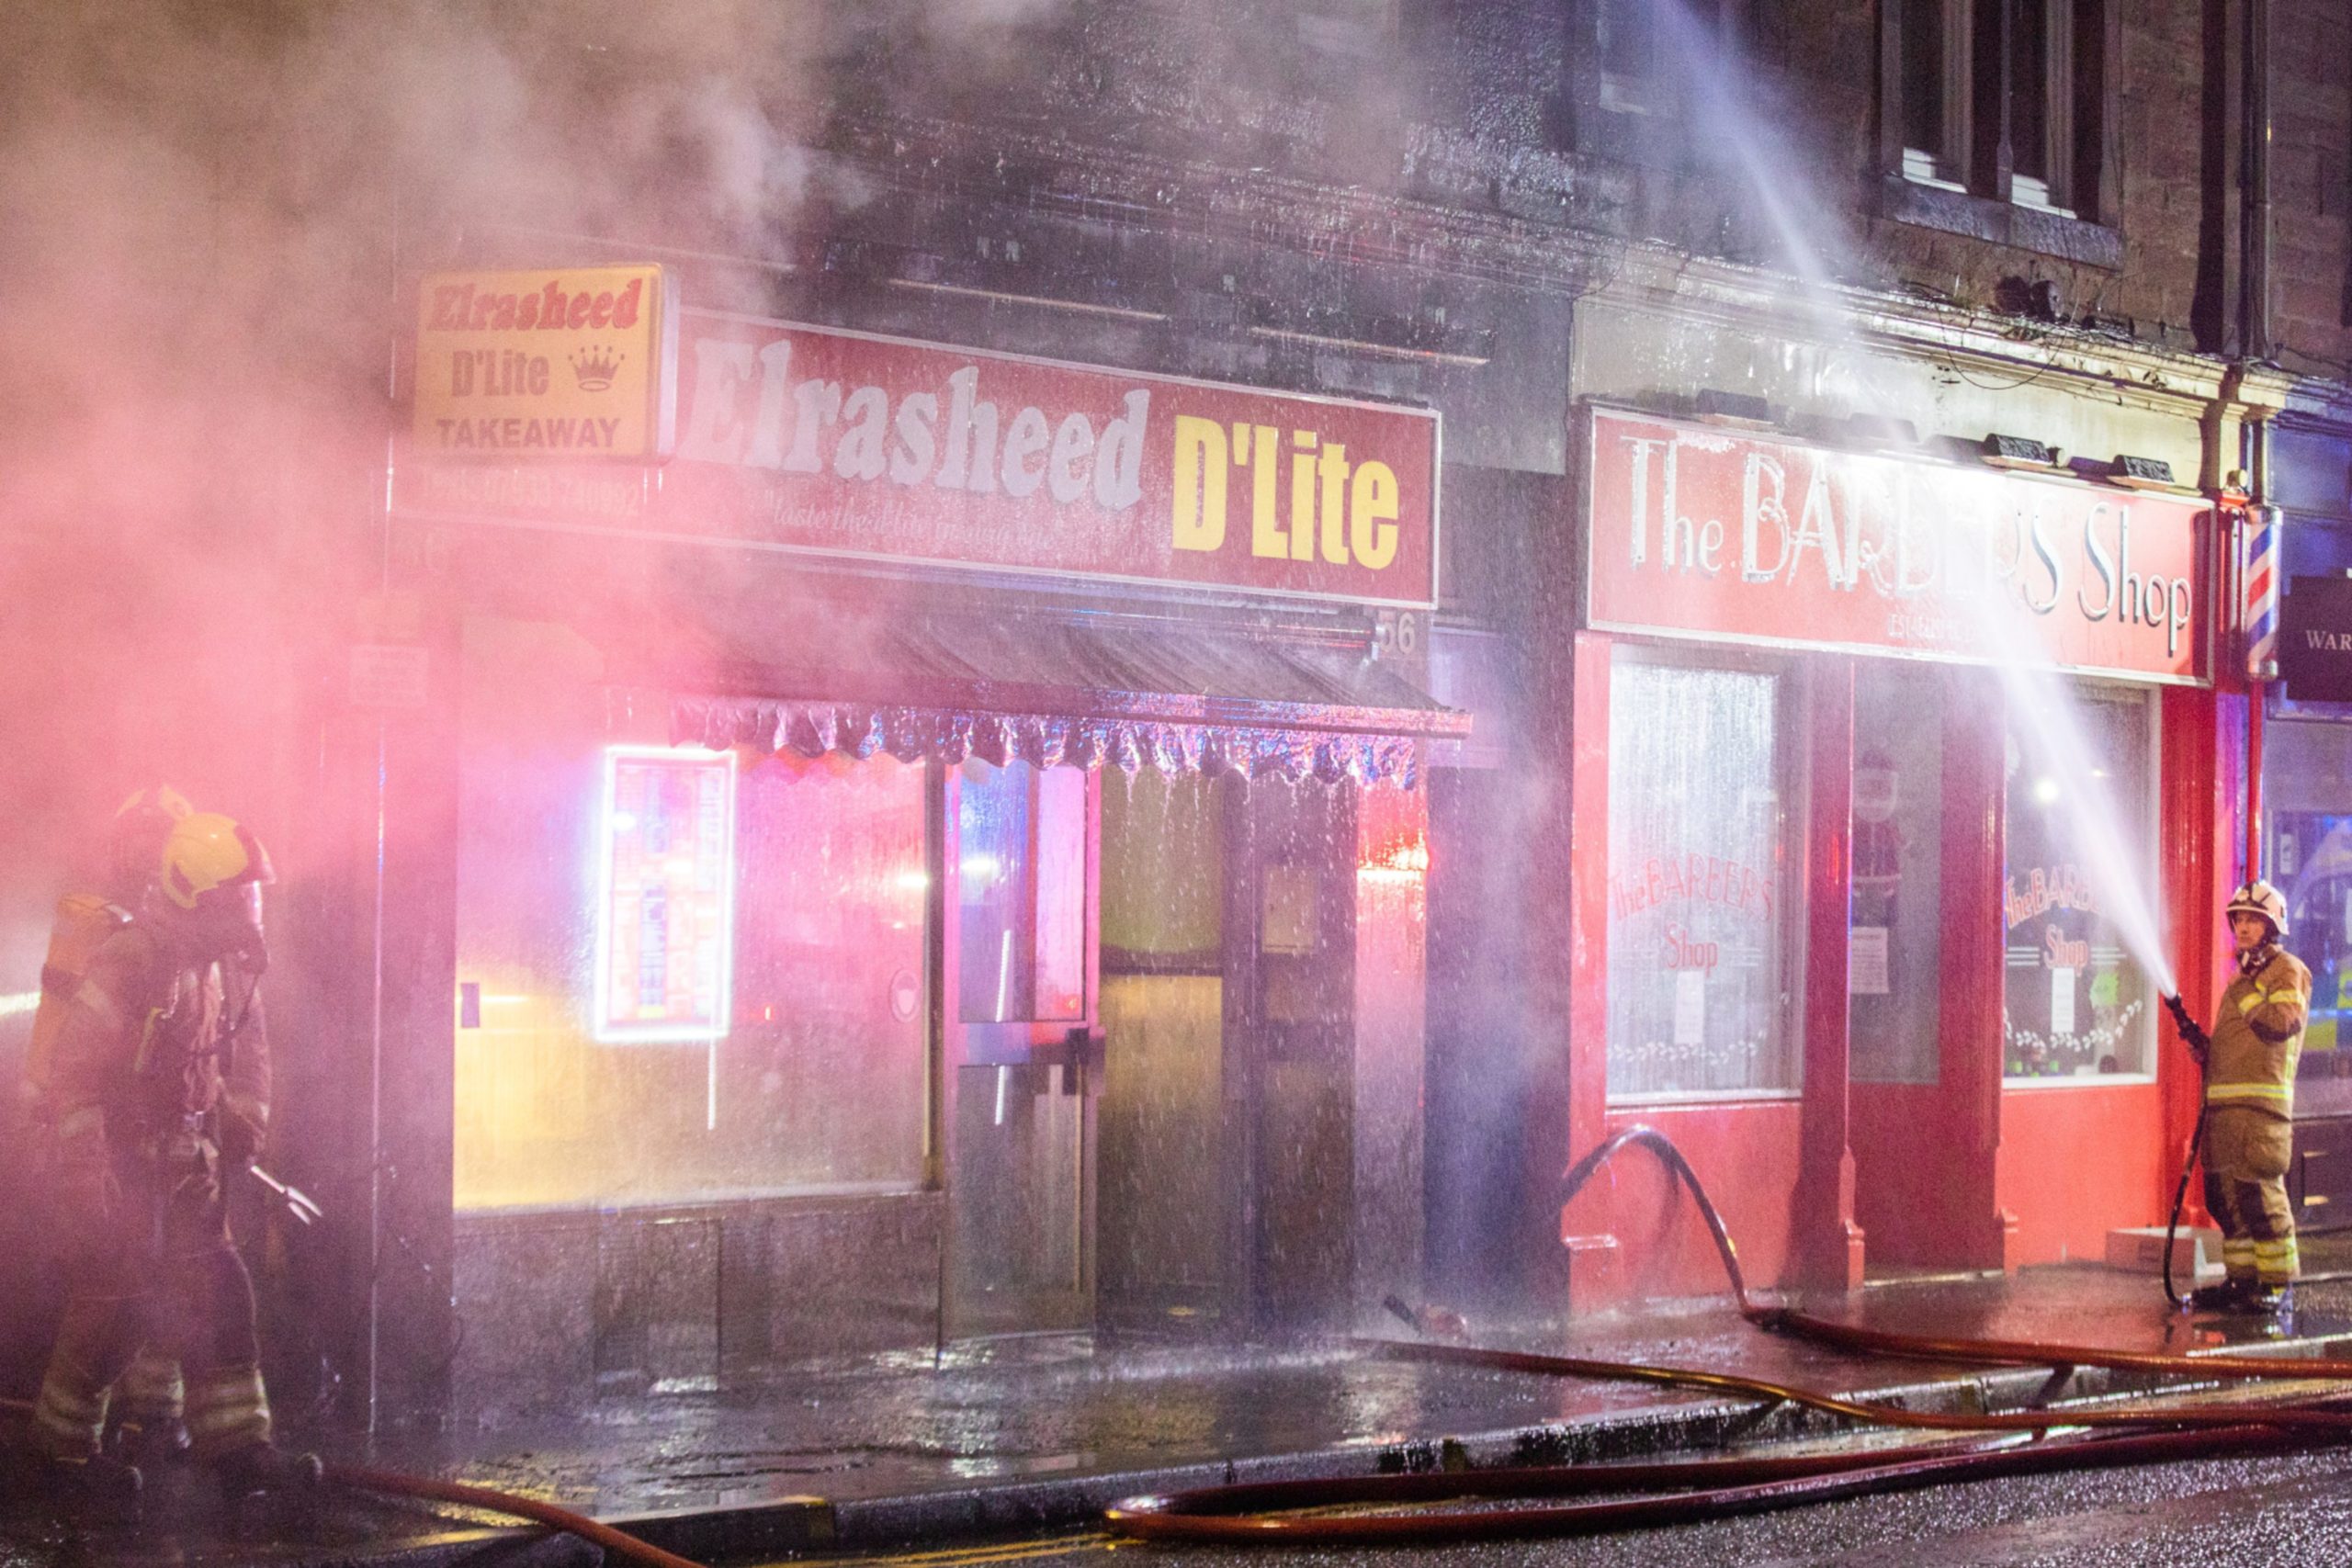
(1722, 536)
(831, 442)
(562, 363)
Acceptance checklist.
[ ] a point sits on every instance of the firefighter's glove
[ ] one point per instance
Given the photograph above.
(2191, 1034)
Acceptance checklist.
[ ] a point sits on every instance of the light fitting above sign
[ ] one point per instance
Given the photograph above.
(877, 449)
(566, 363)
(1726, 536)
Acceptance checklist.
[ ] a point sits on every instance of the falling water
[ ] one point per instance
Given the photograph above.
(1742, 140)
(2074, 782)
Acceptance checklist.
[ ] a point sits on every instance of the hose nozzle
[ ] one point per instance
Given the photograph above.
(2189, 1029)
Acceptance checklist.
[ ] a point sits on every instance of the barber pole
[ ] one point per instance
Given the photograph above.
(2258, 611)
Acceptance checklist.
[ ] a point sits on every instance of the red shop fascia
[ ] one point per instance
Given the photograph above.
(1884, 773)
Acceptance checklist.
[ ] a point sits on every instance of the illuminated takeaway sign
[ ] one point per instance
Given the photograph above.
(665, 896)
(556, 364)
(1722, 536)
(870, 448)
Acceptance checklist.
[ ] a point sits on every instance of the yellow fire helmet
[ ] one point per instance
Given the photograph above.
(207, 852)
(2258, 898)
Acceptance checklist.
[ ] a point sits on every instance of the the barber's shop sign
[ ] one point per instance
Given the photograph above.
(1698, 531)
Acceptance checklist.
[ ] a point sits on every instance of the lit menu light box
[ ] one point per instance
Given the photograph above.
(665, 896)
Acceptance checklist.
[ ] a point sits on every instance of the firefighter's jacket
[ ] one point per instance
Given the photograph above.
(82, 924)
(2258, 1035)
(156, 1055)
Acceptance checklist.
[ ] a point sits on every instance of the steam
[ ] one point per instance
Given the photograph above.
(210, 207)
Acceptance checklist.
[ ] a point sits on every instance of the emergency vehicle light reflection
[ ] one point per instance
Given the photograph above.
(665, 896)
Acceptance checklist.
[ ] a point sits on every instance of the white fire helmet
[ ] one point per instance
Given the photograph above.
(2258, 898)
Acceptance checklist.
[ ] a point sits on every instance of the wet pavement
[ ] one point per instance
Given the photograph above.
(1041, 1432)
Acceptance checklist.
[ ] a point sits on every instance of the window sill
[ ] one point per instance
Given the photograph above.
(2077, 1080)
(1666, 1098)
(2027, 228)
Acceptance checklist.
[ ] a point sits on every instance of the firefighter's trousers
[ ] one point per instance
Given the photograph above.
(180, 1295)
(2245, 1190)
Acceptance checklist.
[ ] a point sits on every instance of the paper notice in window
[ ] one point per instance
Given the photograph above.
(1691, 1007)
(2062, 1002)
(1866, 961)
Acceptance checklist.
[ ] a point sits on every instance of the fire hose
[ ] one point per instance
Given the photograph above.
(2198, 1041)
(1688, 1491)
(489, 1499)
(620, 1543)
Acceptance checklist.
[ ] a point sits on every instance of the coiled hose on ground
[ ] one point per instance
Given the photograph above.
(1276, 1513)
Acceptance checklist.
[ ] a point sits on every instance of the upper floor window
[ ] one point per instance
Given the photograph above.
(1626, 40)
(2010, 100)
(1628, 70)
(1933, 91)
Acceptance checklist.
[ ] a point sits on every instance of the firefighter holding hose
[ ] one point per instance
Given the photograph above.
(2249, 1061)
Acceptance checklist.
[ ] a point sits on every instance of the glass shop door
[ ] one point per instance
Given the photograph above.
(1024, 1054)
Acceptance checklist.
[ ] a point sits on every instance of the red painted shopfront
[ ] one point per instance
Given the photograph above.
(1884, 771)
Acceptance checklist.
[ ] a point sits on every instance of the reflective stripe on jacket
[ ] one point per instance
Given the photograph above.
(2258, 1037)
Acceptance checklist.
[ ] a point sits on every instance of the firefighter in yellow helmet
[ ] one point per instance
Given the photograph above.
(148, 1403)
(153, 1098)
(2249, 1060)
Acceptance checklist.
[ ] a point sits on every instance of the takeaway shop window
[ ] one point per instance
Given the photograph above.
(681, 976)
(1699, 905)
(1894, 944)
(2076, 1004)
(1021, 850)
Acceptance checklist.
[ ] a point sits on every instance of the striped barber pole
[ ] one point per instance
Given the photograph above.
(2258, 612)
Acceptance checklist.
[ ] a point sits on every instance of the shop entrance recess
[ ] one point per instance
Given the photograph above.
(1023, 1060)
(1924, 994)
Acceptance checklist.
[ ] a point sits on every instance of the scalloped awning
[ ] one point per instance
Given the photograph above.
(1055, 694)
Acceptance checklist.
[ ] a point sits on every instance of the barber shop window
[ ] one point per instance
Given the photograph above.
(2078, 1004)
(1700, 890)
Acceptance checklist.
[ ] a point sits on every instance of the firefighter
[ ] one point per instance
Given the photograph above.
(148, 1405)
(155, 1098)
(2249, 1060)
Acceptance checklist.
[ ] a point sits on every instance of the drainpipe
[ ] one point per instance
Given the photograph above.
(2254, 302)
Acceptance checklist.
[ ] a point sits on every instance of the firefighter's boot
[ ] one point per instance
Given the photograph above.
(2230, 1295)
(2269, 1301)
(265, 1468)
(99, 1487)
